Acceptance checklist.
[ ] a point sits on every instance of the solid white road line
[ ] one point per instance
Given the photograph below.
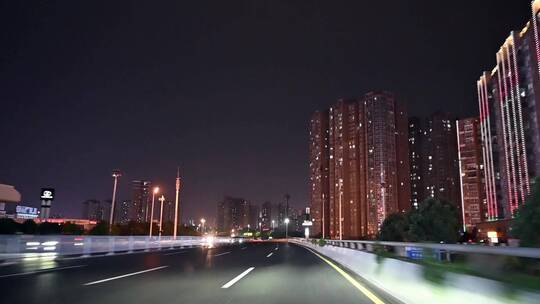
(276, 248)
(243, 248)
(125, 275)
(172, 253)
(270, 254)
(223, 253)
(39, 271)
(238, 278)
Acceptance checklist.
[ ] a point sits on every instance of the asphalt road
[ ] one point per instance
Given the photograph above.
(262, 272)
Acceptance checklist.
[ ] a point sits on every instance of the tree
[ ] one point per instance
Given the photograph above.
(434, 221)
(71, 228)
(8, 226)
(29, 227)
(101, 228)
(49, 228)
(395, 228)
(526, 223)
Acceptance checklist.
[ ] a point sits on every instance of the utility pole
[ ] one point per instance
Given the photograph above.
(176, 202)
(115, 174)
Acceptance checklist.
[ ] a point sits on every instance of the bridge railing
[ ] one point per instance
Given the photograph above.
(407, 271)
(16, 246)
(415, 250)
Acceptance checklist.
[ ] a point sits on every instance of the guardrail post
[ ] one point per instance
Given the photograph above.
(130, 244)
(13, 245)
(111, 245)
(87, 246)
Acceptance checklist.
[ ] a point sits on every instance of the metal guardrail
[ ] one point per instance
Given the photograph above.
(14, 246)
(523, 252)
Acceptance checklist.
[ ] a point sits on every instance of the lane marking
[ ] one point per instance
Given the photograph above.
(238, 278)
(276, 248)
(351, 280)
(243, 248)
(123, 276)
(39, 271)
(173, 253)
(270, 254)
(223, 253)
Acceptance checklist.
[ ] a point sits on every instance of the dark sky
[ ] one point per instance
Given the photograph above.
(225, 89)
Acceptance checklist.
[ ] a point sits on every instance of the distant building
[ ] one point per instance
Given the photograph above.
(139, 210)
(319, 170)
(433, 159)
(365, 146)
(168, 211)
(509, 101)
(471, 167)
(416, 141)
(233, 213)
(122, 212)
(96, 210)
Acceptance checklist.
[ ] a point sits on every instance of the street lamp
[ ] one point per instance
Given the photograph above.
(287, 228)
(161, 199)
(273, 222)
(202, 227)
(176, 203)
(340, 208)
(156, 190)
(115, 174)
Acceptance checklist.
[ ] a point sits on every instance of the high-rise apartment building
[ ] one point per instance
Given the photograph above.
(319, 170)
(509, 100)
(122, 212)
(416, 140)
(139, 210)
(471, 167)
(365, 147)
(434, 159)
(235, 213)
(96, 210)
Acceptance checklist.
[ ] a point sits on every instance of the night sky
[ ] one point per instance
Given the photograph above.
(225, 89)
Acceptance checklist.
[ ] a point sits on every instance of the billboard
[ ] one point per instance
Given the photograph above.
(26, 212)
(47, 194)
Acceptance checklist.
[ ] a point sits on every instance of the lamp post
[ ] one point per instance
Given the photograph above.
(323, 229)
(340, 210)
(287, 228)
(176, 203)
(273, 222)
(115, 174)
(156, 190)
(202, 225)
(161, 199)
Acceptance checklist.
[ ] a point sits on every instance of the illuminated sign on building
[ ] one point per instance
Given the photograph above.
(47, 194)
(26, 212)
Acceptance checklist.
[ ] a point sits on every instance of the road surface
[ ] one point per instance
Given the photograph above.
(263, 272)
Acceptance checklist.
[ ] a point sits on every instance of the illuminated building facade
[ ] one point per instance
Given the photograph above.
(368, 167)
(416, 137)
(434, 159)
(139, 211)
(235, 213)
(318, 172)
(509, 99)
(471, 168)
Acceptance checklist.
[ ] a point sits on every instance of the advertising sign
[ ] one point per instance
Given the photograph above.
(26, 212)
(47, 194)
